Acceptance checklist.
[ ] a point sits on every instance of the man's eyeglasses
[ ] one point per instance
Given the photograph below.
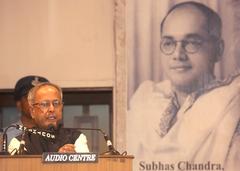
(45, 105)
(190, 45)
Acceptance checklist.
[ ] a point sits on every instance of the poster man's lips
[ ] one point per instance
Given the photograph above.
(180, 67)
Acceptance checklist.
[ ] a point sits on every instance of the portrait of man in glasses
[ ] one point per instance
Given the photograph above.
(191, 119)
(190, 50)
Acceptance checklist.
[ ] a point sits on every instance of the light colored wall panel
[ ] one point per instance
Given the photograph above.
(71, 42)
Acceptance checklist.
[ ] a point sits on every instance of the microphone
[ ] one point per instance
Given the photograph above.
(1, 139)
(111, 149)
(4, 143)
(43, 133)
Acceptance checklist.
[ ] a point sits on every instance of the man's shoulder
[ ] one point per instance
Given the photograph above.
(148, 89)
(228, 88)
(12, 131)
(19, 122)
(151, 85)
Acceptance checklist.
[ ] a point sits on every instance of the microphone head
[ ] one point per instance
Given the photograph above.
(51, 128)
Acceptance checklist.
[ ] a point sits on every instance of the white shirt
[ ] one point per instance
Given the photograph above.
(202, 132)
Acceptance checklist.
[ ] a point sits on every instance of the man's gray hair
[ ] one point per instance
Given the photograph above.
(32, 92)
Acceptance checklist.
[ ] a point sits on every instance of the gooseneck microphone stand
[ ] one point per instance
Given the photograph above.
(4, 144)
(111, 149)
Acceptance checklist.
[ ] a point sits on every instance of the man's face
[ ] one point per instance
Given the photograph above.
(47, 109)
(188, 70)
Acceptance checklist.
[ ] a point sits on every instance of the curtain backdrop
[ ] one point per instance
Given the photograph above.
(143, 20)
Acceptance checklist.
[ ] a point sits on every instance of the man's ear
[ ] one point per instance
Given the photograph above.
(32, 112)
(219, 50)
(18, 104)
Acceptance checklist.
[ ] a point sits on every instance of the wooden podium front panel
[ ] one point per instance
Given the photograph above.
(34, 163)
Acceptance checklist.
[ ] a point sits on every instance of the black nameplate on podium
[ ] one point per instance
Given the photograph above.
(54, 157)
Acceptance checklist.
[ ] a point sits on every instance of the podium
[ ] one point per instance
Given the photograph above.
(34, 162)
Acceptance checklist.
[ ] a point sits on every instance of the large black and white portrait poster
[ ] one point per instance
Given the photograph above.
(183, 84)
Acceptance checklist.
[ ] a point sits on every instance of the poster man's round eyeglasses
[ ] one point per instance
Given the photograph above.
(168, 45)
